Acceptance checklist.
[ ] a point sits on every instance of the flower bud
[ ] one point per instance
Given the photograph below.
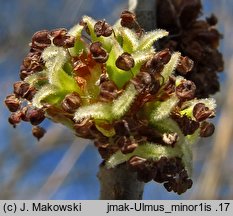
(98, 52)
(60, 38)
(38, 132)
(33, 62)
(186, 90)
(58, 32)
(128, 19)
(20, 88)
(15, 118)
(35, 116)
(12, 103)
(157, 62)
(122, 128)
(202, 112)
(212, 20)
(129, 148)
(24, 116)
(40, 40)
(108, 91)
(71, 102)
(82, 128)
(187, 126)
(185, 65)
(30, 93)
(206, 129)
(125, 61)
(136, 162)
(102, 28)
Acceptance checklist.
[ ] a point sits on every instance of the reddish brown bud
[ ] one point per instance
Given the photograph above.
(24, 114)
(212, 20)
(30, 93)
(186, 125)
(122, 128)
(144, 82)
(157, 62)
(125, 61)
(126, 149)
(60, 38)
(128, 19)
(164, 56)
(201, 112)
(137, 162)
(82, 129)
(207, 129)
(108, 91)
(40, 40)
(12, 103)
(35, 116)
(99, 54)
(38, 132)
(23, 89)
(185, 65)
(71, 102)
(20, 88)
(102, 28)
(15, 118)
(31, 64)
(33, 61)
(103, 78)
(58, 32)
(186, 90)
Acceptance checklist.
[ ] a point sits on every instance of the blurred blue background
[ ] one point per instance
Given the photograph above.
(60, 166)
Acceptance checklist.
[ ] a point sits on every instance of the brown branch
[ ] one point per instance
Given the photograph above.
(119, 183)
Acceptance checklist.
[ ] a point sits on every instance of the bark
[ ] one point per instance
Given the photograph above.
(119, 183)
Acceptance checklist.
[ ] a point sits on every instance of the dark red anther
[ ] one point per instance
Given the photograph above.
(40, 40)
(108, 91)
(137, 162)
(99, 54)
(38, 132)
(187, 125)
(202, 112)
(14, 118)
(35, 116)
(212, 20)
(102, 28)
(206, 129)
(30, 93)
(71, 102)
(20, 88)
(186, 90)
(125, 61)
(157, 62)
(129, 148)
(185, 65)
(122, 128)
(61, 38)
(24, 116)
(82, 128)
(128, 19)
(12, 103)
(58, 32)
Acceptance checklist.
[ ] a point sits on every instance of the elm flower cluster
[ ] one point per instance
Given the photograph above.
(194, 37)
(108, 84)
